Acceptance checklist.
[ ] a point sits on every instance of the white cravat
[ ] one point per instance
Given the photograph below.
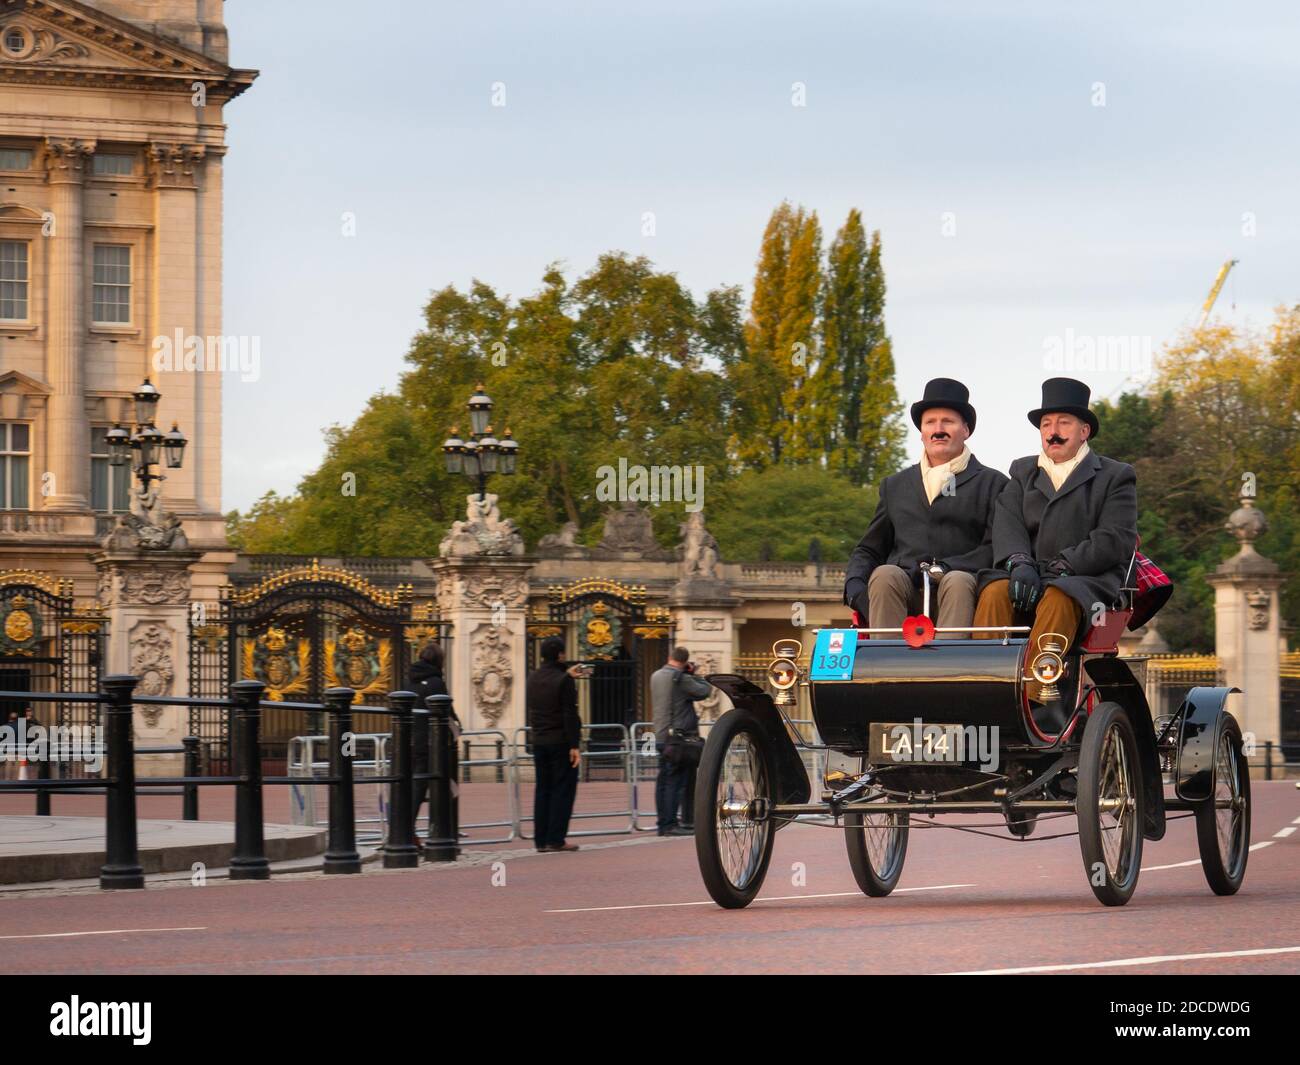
(1060, 471)
(935, 477)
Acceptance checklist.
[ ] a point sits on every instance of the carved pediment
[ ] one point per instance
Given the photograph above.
(63, 40)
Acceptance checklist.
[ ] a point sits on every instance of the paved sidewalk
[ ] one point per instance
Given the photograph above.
(39, 849)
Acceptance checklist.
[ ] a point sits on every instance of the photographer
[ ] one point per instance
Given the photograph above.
(673, 690)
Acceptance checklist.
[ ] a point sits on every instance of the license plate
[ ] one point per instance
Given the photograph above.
(916, 741)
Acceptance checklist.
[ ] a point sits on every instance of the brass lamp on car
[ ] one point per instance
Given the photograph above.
(1048, 665)
(783, 673)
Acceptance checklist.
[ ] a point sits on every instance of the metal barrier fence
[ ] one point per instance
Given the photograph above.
(613, 757)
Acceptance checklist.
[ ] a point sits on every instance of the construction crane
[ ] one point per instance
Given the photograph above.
(1214, 291)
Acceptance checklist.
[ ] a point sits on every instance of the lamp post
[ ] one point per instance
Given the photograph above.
(146, 447)
(481, 453)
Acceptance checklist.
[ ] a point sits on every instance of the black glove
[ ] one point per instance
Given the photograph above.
(860, 604)
(1026, 586)
(913, 571)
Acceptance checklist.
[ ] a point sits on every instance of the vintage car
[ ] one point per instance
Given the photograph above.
(944, 726)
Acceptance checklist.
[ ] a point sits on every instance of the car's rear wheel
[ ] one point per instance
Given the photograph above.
(1110, 805)
(733, 793)
(877, 845)
(1223, 820)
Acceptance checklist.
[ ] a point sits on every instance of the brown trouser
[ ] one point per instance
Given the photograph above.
(892, 599)
(1056, 612)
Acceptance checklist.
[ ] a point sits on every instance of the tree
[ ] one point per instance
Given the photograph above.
(855, 383)
(777, 512)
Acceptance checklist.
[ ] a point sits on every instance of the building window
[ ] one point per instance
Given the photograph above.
(107, 164)
(15, 159)
(110, 486)
(13, 280)
(17, 42)
(112, 286)
(15, 454)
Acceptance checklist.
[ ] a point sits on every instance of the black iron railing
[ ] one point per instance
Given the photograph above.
(424, 757)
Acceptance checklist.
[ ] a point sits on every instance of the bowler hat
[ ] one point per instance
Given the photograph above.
(945, 392)
(1065, 395)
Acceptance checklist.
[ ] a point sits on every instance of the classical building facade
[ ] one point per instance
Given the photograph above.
(112, 134)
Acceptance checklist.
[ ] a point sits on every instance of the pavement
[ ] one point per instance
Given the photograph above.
(35, 849)
(966, 903)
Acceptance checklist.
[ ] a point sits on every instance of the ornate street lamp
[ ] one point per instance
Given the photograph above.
(146, 447)
(481, 453)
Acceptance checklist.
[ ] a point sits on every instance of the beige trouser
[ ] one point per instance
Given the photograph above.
(892, 599)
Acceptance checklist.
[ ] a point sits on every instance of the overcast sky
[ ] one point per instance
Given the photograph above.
(1071, 219)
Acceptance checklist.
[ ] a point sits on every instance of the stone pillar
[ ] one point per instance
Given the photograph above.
(703, 623)
(485, 600)
(146, 595)
(1247, 626)
(67, 435)
(178, 310)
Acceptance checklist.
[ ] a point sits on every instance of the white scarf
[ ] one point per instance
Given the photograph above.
(935, 477)
(1059, 472)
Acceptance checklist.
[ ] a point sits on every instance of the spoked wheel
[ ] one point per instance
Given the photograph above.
(1110, 805)
(877, 844)
(734, 784)
(1223, 820)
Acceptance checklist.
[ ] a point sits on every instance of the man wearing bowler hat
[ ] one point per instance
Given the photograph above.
(937, 513)
(1064, 532)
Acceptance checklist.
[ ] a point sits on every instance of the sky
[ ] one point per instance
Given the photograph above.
(1045, 176)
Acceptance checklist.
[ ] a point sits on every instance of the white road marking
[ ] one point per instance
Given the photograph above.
(1282, 833)
(775, 898)
(106, 932)
(1261, 846)
(1174, 865)
(1117, 963)
(1296, 821)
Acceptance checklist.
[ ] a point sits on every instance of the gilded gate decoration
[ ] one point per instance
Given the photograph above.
(50, 643)
(609, 623)
(302, 630)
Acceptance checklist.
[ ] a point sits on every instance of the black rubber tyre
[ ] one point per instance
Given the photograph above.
(1223, 835)
(877, 846)
(1110, 805)
(733, 850)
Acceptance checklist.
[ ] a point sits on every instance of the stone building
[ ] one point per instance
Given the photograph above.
(112, 137)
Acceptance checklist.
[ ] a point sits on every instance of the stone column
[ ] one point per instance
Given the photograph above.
(485, 599)
(1247, 626)
(67, 435)
(174, 171)
(702, 620)
(146, 595)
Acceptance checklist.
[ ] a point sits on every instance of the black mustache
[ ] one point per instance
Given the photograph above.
(939, 436)
(1054, 439)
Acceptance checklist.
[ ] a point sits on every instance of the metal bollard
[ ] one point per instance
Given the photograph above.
(249, 861)
(342, 856)
(441, 844)
(400, 851)
(1268, 759)
(43, 794)
(122, 866)
(190, 798)
(501, 769)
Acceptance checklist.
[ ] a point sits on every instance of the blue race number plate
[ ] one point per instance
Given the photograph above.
(833, 654)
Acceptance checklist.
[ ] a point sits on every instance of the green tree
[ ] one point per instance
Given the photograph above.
(776, 513)
(855, 382)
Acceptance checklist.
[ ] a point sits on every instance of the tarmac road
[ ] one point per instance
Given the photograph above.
(965, 903)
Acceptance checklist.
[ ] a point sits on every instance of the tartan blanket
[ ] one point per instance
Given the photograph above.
(1153, 591)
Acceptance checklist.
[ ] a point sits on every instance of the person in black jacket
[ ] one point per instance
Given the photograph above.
(551, 697)
(939, 512)
(427, 679)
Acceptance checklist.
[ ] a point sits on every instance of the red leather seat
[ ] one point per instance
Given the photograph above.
(1104, 638)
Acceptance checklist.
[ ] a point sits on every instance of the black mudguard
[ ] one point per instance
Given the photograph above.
(1116, 684)
(1198, 730)
(791, 776)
